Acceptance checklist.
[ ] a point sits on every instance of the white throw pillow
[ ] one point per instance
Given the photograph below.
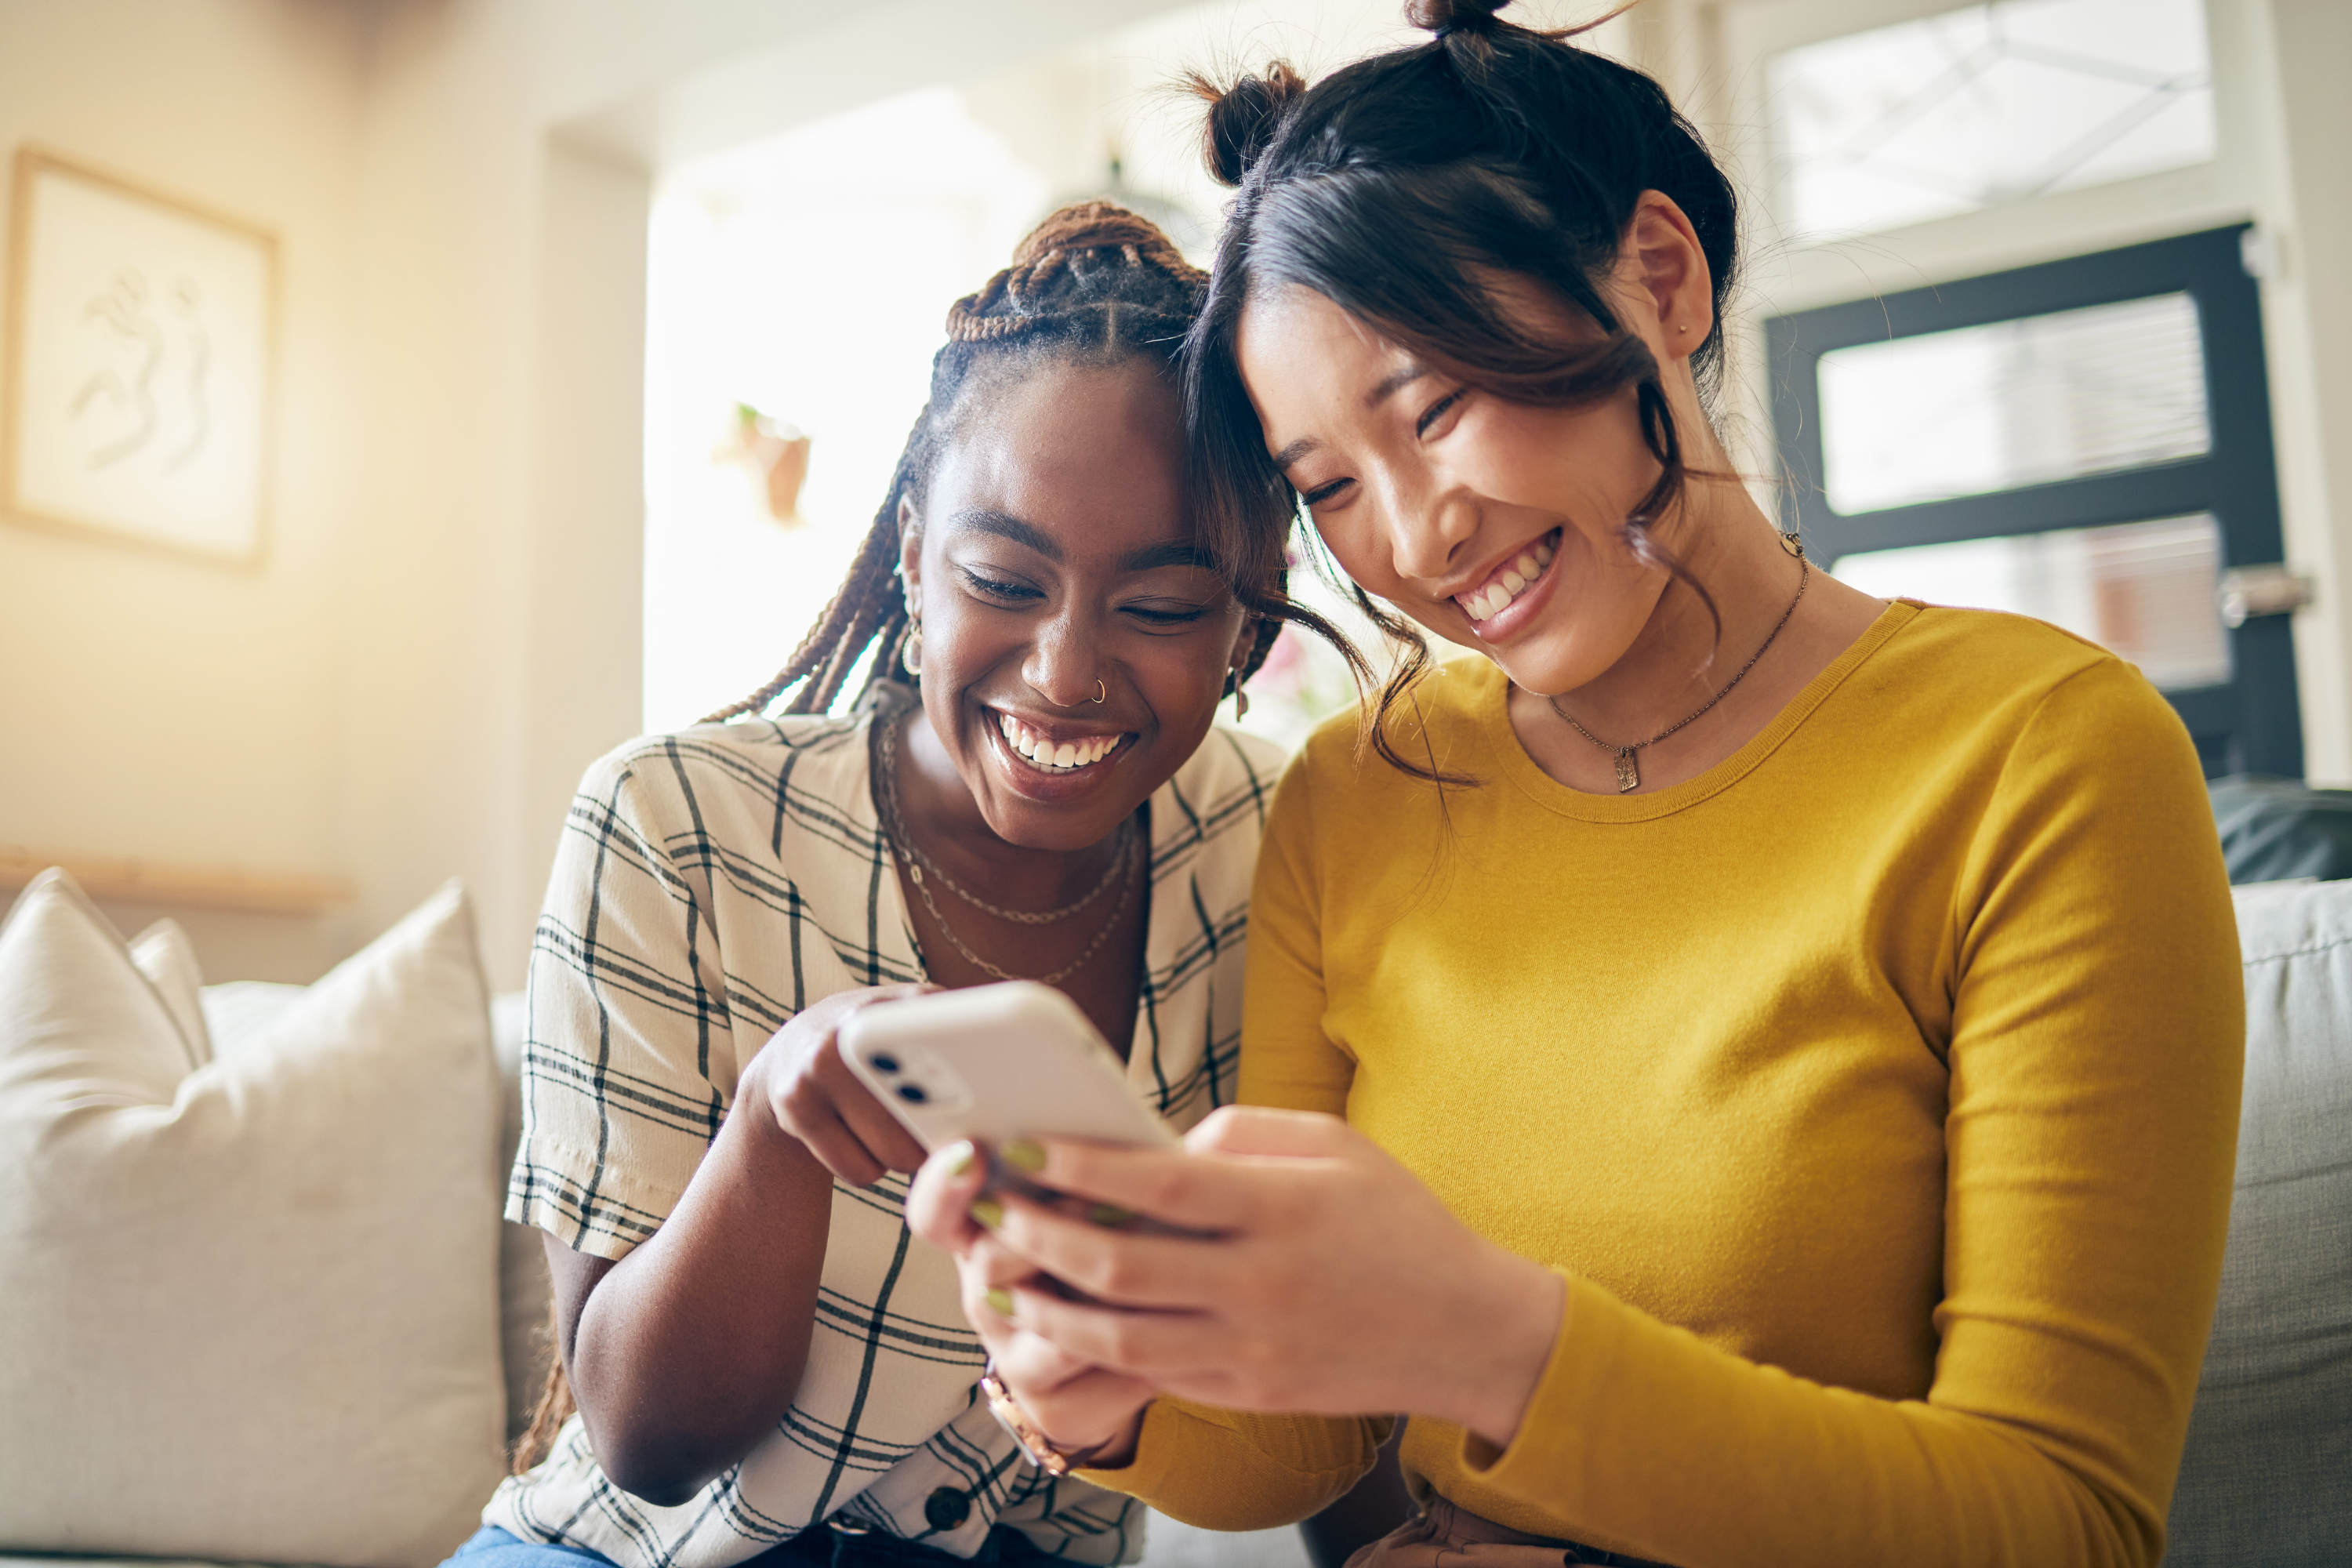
(248, 1310)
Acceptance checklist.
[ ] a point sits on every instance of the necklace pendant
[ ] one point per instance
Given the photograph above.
(1628, 771)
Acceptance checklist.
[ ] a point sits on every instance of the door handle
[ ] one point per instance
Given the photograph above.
(2274, 589)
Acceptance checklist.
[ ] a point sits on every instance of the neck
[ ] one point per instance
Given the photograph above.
(1680, 661)
(937, 810)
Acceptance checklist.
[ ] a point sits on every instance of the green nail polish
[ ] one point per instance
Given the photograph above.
(1025, 1154)
(1109, 1215)
(962, 1158)
(1000, 1301)
(987, 1212)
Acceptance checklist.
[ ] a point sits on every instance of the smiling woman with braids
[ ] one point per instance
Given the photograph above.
(762, 1364)
(1750, 1069)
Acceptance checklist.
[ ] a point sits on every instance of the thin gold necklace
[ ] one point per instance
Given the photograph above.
(1628, 771)
(894, 828)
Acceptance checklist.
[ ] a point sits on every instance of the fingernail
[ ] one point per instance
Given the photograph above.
(1109, 1215)
(987, 1212)
(1025, 1154)
(1000, 1301)
(961, 1157)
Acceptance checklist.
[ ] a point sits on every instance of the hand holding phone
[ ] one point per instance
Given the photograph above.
(993, 1063)
(815, 1096)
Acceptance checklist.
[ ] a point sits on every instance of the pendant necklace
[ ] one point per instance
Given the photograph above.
(1629, 771)
(894, 828)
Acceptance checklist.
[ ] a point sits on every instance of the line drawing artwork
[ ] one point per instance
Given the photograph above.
(136, 374)
(123, 309)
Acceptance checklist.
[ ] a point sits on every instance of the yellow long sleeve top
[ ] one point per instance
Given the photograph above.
(1875, 1093)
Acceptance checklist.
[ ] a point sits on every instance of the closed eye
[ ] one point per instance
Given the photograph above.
(1322, 493)
(995, 588)
(1166, 611)
(1437, 410)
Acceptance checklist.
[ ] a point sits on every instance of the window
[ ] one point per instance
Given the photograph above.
(1985, 105)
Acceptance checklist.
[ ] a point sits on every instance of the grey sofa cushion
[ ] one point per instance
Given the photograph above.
(2267, 1476)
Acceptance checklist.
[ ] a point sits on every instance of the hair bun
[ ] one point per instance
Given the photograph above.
(1243, 118)
(1095, 225)
(1442, 16)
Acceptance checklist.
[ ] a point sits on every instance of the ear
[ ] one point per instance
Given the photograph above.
(1663, 267)
(910, 549)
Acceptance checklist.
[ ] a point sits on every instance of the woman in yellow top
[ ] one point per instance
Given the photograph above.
(1788, 1042)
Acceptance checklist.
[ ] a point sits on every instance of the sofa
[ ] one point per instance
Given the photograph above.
(257, 1303)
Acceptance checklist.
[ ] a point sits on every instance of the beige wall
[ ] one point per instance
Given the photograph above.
(150, 705)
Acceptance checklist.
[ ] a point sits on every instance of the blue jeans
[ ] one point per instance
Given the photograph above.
(1004, 1548)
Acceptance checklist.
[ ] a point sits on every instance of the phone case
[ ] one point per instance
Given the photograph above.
(1016, 1060)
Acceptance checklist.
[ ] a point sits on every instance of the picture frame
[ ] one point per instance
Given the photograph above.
(138, 388)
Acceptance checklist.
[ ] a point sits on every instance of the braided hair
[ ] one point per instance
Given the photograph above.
(1095, 284)
(1400, 186)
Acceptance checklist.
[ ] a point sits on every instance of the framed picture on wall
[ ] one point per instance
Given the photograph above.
(141, 355)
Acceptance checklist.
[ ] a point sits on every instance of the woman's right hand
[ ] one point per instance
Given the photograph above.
(1090, 1413)
(814, 1095)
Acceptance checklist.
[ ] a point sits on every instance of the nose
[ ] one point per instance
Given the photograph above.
(1064, 662)
(1427, 527)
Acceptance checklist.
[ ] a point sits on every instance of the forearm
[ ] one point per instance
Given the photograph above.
(689, 1351)
(1662, 1445)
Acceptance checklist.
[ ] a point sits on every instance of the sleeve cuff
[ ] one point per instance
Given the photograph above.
(1227, 1471)
(1558, 1419)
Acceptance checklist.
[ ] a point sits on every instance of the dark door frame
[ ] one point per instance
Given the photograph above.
(2254, 724)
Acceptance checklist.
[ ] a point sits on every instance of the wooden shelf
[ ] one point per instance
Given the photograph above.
(106, 877)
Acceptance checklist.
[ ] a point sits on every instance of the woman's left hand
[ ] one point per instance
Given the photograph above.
(1328, 1280)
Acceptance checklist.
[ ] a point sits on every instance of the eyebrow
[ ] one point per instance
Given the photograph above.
(1150, 557)
(1387, 383)
(1381, 392)
(1173, 552)
(980, 520)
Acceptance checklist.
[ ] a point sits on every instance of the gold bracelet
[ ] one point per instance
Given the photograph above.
(1037, 1448)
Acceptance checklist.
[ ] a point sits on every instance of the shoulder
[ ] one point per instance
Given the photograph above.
(791, 792)
(1997, 674)
(1441, 722)
(760, 754)
(1219, 798)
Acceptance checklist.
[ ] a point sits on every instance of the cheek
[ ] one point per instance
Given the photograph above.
(1587, 465)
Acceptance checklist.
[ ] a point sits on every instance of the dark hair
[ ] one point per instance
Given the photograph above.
(1094, 284)
(1401, 187)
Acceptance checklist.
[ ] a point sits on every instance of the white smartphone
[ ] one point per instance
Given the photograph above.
(1016, 1060)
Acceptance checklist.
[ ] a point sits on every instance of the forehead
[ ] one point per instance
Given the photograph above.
(1093, 455)
(1290, 332)
(1304, 361)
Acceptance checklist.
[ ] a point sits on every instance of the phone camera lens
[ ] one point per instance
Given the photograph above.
(913, 1093)
(881, 1062)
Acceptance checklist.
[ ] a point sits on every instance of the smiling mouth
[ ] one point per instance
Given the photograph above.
(1510, 580)
(1048, 755)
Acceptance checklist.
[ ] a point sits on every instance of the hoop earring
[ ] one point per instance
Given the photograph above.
(1241, 697)
(1101, 692)
(911, 653)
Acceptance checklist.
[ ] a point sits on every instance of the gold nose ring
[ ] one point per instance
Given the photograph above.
(1101, 692)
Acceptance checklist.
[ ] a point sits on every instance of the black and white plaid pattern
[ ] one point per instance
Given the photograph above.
(709, 885)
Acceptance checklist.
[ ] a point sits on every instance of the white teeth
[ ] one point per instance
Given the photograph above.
(1514, 579)
(1044, 753)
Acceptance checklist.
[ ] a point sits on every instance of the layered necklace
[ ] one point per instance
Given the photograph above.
(922, 870)
(1629, 771)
